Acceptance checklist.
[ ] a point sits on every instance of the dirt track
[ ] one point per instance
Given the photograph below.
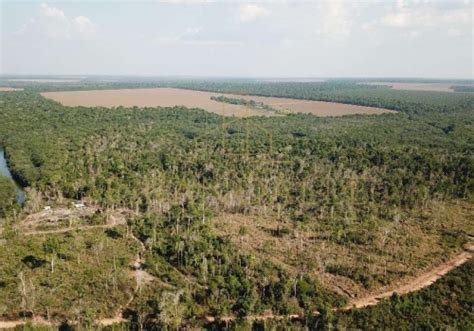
(64, 230)
(424, 280)
(140, 276)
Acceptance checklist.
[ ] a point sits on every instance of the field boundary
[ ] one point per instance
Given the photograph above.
(167, 97)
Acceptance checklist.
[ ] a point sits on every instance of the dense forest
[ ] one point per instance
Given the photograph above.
(292, 214)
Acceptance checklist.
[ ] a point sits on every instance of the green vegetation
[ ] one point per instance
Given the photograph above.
(320, 197)
(409, 102)
(252, 104)
(77, 276)
(344, 91)
(7, 195)
(463, 88)
(447, 304)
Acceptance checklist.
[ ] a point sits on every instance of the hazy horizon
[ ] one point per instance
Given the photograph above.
(266, 39)
(6, 76)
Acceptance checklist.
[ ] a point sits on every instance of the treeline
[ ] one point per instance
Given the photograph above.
(463, 88)
(376, 167)
(349, 91)
(243, 102)
(343, 91)
(410, 102)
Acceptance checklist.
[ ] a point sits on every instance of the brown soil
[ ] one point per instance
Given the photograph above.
(14, 324)
(54, 215)
(10, 89)
(60, 220)
(170, 97)
(318, 108)
(423, 280)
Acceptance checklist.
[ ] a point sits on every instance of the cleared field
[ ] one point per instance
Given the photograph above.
(170, 97)
(436, 87)
(318, 108)
(10, 89)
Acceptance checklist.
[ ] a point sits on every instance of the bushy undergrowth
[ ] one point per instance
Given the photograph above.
(347, 180)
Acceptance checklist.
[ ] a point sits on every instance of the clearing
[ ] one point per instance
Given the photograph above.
(59, 220)
(396, 253)
(423, 280)
(170, 97)
(10, 89)
(258, 239)
(111, 252)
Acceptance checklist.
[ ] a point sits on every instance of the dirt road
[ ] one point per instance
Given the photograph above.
(75, 228)
(422, 281)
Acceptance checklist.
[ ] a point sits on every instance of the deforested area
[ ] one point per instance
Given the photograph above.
(171, 97)
(236, 165)
(227, 219)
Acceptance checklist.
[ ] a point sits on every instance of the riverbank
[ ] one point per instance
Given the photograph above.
(5, 172)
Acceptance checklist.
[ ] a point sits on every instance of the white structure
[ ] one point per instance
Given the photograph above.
(79, 205)
(47, 208)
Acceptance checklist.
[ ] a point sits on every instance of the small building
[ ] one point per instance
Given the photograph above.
(47, 208)
(79, 205)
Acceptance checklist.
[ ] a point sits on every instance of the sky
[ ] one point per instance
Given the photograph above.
(333, 38)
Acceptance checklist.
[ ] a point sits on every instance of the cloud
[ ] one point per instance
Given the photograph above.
(83, 26)
(192, 36)
(190, 32)
(251, 12)
(53, 23)
(187, 34)
(425, 17)
(52, 12)
(336, 18)
(454, 32)
(421, 17)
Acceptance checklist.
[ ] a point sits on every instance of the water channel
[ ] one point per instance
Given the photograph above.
(5, 172)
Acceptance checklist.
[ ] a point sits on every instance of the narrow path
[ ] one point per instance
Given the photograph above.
(422, 281)
(64, 230)
(36, 321)
(141, 278)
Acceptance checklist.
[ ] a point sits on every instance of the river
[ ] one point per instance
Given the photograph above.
(5, 172)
